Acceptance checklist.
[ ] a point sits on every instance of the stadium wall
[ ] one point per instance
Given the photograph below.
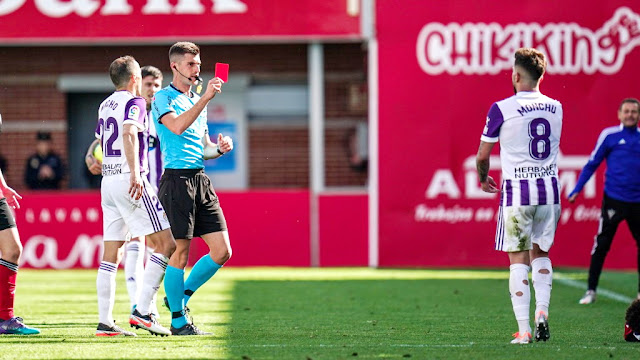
(31, 101)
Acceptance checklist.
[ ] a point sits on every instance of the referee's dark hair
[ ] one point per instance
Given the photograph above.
(180, 48)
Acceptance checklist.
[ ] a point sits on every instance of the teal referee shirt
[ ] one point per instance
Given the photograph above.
(184, 151)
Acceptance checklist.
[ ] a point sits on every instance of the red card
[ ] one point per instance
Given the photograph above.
(222, 71)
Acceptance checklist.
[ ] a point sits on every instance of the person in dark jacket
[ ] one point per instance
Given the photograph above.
(632, 322)
(620, 146)
(44, 169)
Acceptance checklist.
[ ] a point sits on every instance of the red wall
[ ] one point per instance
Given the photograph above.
(271, 228)
(343, 230)
(267, 228)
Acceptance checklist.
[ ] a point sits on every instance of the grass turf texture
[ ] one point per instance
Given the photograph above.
(275, 313)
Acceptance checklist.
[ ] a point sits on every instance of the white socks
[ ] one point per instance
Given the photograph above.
(153, 275)
(106, 284)
(542, 275)
(520, 295)
(133, 269)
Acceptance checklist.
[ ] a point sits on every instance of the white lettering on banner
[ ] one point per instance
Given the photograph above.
(584, 213)
(116, 7)
(76, 215)
(9, 6)
(457, 214)
(479, 48)
(86, 8)
(45, 216)
(86, 249)
(443, 183)
(59, 8)
(442, 214)
(60, 215)
(229, 6)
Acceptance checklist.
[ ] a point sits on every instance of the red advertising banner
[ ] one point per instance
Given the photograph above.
(84, 21)
(442, 65)
(60, 230)
(63, 230)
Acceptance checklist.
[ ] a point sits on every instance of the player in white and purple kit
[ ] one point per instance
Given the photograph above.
(136, 248)
(129, 203)
(151, 84)
(528, 126)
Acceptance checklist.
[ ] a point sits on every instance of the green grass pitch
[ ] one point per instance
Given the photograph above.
(339, 313)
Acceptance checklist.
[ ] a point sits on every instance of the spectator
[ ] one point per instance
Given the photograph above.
(44, 168)
(3, 164)
(632, 324)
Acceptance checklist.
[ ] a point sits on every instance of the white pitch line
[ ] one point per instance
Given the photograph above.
(408, 346)
(601, 292)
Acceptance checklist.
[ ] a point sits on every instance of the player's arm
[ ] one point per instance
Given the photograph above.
(483, 164)
(130, 141)
(7, 192)
(600, 152)
(490, 136)
(177, 124)
(94, 165)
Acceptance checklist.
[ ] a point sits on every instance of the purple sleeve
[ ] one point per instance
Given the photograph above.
(136, 111)
(601, 151)
(491, 131)
(98, 132)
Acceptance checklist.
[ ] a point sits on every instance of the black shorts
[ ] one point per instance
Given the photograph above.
(191, 204)
(6, 216)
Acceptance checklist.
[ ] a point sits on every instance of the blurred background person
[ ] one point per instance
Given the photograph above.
(3, 163)
(44, 169)
(619, 146)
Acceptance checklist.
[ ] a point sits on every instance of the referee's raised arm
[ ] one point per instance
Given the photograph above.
(177, 124)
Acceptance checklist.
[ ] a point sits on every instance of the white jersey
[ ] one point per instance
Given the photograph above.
(528, 126)
(118, 109)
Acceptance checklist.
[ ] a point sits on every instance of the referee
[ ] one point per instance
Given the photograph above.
(620, 146)
(185, 191)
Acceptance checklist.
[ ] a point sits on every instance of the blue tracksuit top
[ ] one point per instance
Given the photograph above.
(621, 147)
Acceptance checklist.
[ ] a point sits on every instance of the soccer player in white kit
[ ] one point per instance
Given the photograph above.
(528, 126)
(135, 249)
(129, 203)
